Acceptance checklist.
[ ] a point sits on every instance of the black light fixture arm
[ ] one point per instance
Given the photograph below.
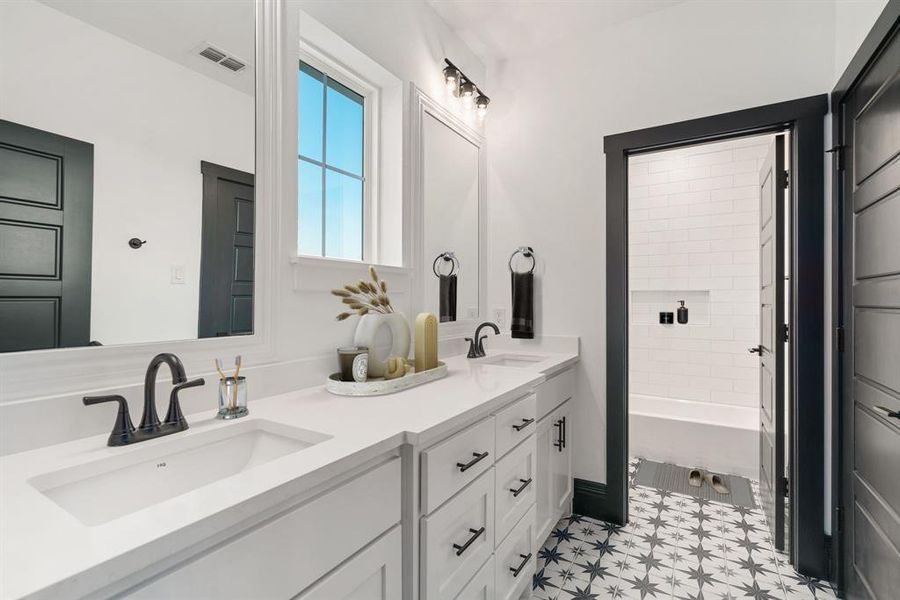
(463, 77)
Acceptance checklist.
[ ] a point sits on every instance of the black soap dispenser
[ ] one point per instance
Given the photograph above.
(682, 313)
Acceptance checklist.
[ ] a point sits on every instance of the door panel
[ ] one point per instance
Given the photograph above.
(877, 347)
(878, 245)
(46, 222)
(870, 395)
(771, 348)
(227, 259)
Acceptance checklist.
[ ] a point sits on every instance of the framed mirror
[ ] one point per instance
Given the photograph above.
(127, 172)
(449, 177)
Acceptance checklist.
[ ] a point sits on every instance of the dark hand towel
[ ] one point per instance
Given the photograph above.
(522, 323)
(447, 298)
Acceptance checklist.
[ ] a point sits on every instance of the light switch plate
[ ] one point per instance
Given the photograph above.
(177, 274)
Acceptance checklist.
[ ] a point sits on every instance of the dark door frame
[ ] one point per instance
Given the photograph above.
(871, 47)
(805, 118)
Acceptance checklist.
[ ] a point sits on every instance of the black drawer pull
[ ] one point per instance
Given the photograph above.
(517, 570)
(525, 484)
(525, 423)
(475, 533)
(886, 412)
(463, 467)
(560, 442)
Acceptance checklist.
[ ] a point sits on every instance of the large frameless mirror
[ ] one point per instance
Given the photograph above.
(127, 158)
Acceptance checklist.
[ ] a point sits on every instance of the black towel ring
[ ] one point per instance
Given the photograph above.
(527, 252)
(448, 257)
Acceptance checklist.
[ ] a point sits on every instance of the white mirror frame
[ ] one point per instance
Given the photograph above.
(49, 372)
(420, 105)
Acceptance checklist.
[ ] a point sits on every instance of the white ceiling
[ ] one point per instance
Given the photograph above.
(176, 30)
(499, 29)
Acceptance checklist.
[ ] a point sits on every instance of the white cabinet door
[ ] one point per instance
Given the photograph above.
(481, 587)
(457, 539)
(513, 488)
(561, 461)
(373, 574)
(544, 501)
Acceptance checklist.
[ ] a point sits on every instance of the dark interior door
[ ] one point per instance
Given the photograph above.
(46, 212)
(870, 399)
(226, 261)
(772, 184)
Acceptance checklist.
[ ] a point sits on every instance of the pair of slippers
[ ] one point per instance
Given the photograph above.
(696, 478)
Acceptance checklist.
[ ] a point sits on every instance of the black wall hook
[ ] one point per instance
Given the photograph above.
(136, 243)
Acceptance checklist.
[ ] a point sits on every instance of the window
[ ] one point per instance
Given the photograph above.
(330, 167)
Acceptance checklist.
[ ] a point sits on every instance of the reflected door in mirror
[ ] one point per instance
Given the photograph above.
(226, 265)
(46, 202)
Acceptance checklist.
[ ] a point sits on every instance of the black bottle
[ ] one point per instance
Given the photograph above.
(682, 313)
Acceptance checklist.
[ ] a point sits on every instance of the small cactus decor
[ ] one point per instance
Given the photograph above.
(364, 297)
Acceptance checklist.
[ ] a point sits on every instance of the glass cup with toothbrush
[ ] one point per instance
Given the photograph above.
(232, 391)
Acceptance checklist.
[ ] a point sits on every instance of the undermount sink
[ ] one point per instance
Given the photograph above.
(103, 490)
(521, 361)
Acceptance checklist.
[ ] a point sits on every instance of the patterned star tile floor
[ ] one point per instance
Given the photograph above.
(674, 547)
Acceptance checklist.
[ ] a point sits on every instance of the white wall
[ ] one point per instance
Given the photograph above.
(693, 217)
(551, 110)
(852, 21)
(151, 121)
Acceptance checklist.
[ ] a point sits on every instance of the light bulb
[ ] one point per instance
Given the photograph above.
(467, 93)
(451, 80)
(481, 105)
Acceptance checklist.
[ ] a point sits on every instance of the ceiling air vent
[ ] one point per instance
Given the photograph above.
(223, 59)
(233, 64)
(212, 54)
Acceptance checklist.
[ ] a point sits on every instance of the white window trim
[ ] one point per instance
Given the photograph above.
(371, 165)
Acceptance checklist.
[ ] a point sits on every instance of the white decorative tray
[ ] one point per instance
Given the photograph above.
(379, 386)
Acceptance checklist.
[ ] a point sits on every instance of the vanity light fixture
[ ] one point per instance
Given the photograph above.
(465, 89)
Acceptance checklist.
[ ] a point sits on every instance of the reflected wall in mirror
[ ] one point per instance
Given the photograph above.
(123, 120)
(451, 202)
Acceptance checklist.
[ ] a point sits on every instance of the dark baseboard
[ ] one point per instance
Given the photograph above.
(590, 500)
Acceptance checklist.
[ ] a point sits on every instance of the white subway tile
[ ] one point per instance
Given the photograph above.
(711, 258)
(686, 197)
(711, 183)
(735, 167)
(735, 193)
(711, 158)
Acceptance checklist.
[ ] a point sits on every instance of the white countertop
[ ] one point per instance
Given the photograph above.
(47, 552)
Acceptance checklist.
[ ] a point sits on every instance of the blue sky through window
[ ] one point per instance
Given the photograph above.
(330, 167)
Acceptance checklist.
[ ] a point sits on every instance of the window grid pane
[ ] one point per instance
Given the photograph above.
(330, 167)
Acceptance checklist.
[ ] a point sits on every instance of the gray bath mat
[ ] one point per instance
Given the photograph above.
(672, 478)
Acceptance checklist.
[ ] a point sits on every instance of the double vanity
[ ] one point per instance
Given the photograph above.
(442, 491)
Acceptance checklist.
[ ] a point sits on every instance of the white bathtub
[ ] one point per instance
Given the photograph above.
(718, 437)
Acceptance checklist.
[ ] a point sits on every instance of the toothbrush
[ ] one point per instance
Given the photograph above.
(237, 371)
(219, 368)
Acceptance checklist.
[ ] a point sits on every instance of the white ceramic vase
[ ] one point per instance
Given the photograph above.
(384, 335)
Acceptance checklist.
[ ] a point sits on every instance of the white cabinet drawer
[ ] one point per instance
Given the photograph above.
(457, 539)
(482, 585)
(290, 552)
(451, 465)
(514, 423)
(373, 574)
(555, 391)
(515, 487)
(515, 560)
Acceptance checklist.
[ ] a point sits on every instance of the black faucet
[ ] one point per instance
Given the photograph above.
(123, 432)
(476, 345)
